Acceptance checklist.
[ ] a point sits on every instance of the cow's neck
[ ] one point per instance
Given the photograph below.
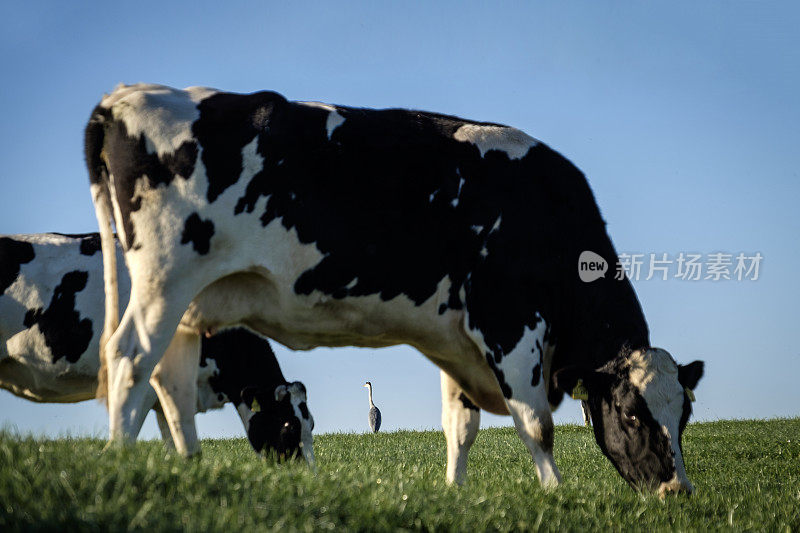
(604, 318)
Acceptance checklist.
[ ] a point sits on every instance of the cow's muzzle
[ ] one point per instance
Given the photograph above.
(674, 486)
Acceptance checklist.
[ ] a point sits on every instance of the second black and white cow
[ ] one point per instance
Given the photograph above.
(322, 225)
(51, 315)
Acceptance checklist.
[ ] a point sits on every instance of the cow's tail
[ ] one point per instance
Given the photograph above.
(101, 196)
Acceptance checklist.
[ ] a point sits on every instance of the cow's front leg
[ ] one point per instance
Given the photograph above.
(175, 382)
(519, 374)
(163, 427)
(587, 415)
(460, 422)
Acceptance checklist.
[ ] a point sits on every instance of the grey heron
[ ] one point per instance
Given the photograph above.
(374, 412)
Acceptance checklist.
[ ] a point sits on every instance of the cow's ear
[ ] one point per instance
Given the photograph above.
(575, 381)
(249, 398)
(689, 375)
(280, 392)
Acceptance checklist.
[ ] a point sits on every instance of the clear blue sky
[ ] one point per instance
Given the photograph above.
(683, 115)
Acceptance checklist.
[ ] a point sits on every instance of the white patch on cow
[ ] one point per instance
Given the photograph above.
(512, 141)
(163, 115)
(458, 193)
(655, 374)
(352, 283)
(334, 118)
(252, 161)
(207, 398)
(433, 195)
(496, 225)
(476, 228)
(484, 252)
(528, 404)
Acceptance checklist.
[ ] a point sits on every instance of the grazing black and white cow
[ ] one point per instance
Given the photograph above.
(51, 315)
(322, 225)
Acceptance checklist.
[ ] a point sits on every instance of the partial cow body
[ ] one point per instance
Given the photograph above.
(321, 225)
(51, 316)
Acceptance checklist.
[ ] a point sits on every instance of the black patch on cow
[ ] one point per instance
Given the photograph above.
(303, 410)
(228, 123)
(442, 308)
(90, 245)
(198, 232)
(501, 378)
(537, 375)
(89, 242)
(65, 332)
(13, 254)
(243, 359)
(467, 403)
(547, 435)
(130, 162)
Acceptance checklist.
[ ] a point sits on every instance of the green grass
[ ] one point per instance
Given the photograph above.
(747, 476)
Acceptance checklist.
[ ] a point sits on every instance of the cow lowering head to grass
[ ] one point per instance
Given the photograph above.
(322, 225)
(51, 315)
(640, 404)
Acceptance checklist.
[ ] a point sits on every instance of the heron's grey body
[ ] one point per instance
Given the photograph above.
(374, 419)
(374, 412)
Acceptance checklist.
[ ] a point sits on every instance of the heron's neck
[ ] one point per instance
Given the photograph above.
(370, 396)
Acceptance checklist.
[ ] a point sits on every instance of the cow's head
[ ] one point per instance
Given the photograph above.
(279, 421)
(640, 403)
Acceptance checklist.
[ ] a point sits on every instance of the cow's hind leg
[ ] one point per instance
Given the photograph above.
(131, 355)
(460, 422)
(519, 374)
(130, 396)
(175, 382)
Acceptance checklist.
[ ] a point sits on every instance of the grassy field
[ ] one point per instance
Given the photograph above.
(747, 476)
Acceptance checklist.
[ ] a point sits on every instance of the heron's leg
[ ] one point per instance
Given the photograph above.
(519, 374)
(460, 422)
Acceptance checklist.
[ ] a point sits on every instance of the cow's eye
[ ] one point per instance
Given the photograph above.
(630, 418)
